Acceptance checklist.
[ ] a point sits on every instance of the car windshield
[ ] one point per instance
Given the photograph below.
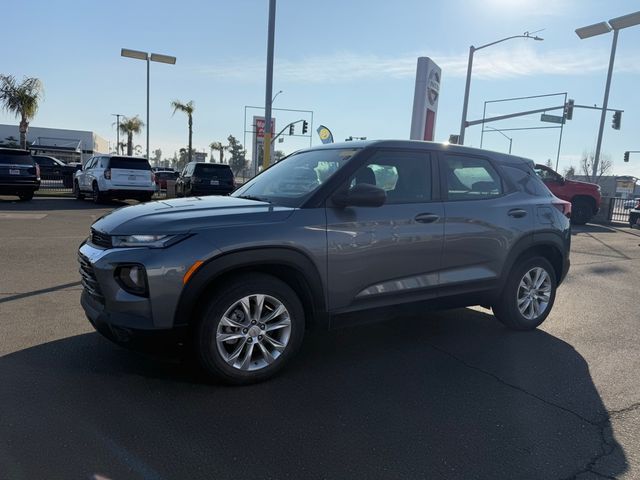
(292, 180)
(15, 159)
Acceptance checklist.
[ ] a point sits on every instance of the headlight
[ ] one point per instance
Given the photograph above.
(149, 241)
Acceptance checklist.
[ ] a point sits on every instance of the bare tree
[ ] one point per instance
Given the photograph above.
(604, 166)
(569, 172)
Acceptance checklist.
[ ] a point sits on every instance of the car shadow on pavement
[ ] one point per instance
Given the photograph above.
(449, 395)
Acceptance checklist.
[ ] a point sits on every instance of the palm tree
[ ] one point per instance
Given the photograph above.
(22, 100)
(187, 108)
(220, 148)
(129, 126)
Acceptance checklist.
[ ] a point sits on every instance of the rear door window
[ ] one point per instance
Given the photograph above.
(127, 163)
(470, 178)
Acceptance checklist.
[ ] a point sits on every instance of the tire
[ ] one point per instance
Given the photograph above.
(581, 211)
(506, 308)
(76, 191)
(67, 181)
(227, 360)
(97, 196)
(26, 196)
(146, 197)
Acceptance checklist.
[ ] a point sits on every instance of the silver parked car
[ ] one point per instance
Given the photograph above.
(325, 233)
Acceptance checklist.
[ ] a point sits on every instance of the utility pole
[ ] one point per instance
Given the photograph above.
(268, 96)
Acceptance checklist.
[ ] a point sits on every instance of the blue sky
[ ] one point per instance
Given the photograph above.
(351, 62)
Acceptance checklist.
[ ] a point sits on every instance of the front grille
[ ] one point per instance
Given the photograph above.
(89, 280)
(100, 239)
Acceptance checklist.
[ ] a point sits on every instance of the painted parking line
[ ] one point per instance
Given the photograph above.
(22, 216)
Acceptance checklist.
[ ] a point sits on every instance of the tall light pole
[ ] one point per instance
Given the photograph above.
(268, 95)
(615, 24)
(467, 86)
(117, 115)
(276, 96)
(503, 134)
(148, 57)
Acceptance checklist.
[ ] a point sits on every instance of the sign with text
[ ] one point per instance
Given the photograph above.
(425, 100)
(551, 118)
(258, 141)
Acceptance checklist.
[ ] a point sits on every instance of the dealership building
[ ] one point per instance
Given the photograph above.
(66, 145)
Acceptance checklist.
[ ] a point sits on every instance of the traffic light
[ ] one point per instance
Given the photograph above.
(291, 129)
(305, 127)
(617, 120)
(568, 109)
(626, 156)
(454, 139)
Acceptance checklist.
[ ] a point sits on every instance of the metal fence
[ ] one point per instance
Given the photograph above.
(56, 183)
(619, 209)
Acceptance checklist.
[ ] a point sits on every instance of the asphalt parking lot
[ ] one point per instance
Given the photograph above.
(449, 395)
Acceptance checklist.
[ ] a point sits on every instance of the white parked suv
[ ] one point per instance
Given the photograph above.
(113, 176)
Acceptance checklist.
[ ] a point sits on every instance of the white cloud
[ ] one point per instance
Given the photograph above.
(495, 64)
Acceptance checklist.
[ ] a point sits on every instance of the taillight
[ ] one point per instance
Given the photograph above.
(107, 174)
(153, 177)
(37, 171)
(563, 207)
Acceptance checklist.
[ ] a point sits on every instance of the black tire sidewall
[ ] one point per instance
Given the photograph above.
(97, 198)
(507, 308)
(211, 314)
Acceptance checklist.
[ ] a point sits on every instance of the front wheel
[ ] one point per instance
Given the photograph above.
(528, 295)
(249, 329)
(97, 196)
(581, 211)
(76, 191)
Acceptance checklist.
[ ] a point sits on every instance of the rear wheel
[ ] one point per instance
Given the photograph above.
(97, 196)
(24, 196)
(249, 329)
(528, 295)
(581, 211)
(146, 197)
(76, 191)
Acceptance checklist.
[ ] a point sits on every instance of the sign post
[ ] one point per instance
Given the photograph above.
(425, 100)
(258, 146)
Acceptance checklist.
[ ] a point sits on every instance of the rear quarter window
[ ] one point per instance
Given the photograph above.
(526, 180)
(127, 163)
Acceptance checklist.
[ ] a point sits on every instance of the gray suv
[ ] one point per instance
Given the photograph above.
(323, 234)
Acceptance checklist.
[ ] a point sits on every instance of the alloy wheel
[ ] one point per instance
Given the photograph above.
(253, 332)
(534, 293)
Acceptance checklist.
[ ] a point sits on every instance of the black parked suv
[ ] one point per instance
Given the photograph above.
(19, 174)
(320, 235)
(200, 178)
(53, 169)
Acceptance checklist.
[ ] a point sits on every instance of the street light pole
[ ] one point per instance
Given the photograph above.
(148, 57)
(117, 115)
(268, 96)
(605, 102)
(615, 24)
(472, 50)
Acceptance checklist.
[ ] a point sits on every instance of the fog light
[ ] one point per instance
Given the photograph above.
(132, 278)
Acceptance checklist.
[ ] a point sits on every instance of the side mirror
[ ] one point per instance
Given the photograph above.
(362, 195)
(562, 180)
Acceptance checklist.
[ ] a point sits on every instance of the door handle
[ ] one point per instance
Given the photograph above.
(426, 217)
(517, 213)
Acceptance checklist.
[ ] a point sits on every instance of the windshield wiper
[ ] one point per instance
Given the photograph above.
(253, 197)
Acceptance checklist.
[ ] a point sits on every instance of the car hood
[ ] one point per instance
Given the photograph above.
(578, 183)
(184, 215)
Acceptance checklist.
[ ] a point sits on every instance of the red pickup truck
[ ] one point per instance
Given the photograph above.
(584, 197)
